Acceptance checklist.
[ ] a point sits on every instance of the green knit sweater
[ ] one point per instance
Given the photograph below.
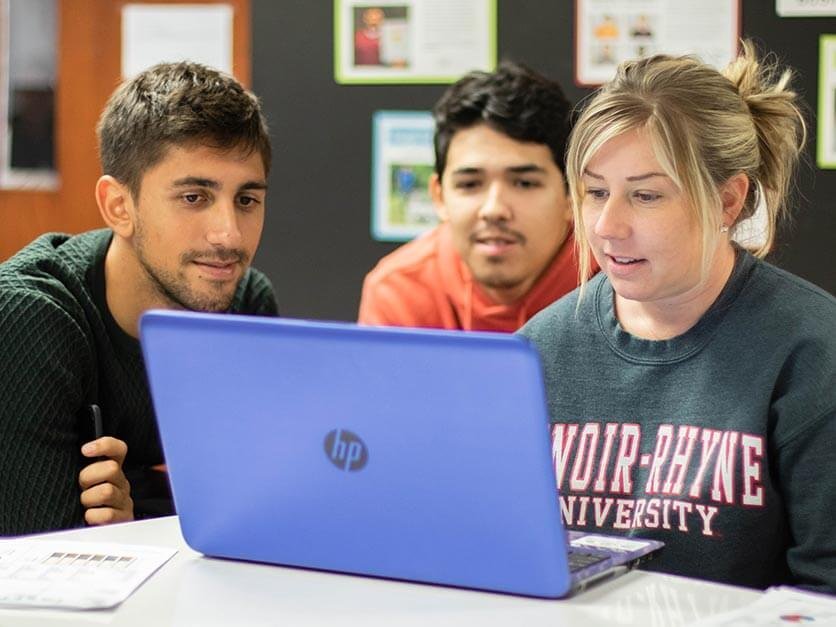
(60, 350)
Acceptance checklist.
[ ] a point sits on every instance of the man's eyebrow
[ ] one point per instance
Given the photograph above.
(527, 168)
(514, 169)
(468, 170)
(638, 177)
(262, 185)
(198, 181)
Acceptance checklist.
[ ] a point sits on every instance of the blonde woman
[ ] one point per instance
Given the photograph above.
(691, 385)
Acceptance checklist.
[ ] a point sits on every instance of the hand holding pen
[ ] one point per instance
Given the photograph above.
(106, 493)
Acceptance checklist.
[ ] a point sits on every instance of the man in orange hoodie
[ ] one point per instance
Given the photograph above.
(504, 248)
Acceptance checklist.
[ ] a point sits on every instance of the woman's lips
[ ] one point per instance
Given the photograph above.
(623, 265)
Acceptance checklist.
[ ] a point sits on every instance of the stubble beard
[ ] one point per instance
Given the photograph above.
(496, 277)
(174, 287)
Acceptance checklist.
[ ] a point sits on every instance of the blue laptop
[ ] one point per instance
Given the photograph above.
(409, 454)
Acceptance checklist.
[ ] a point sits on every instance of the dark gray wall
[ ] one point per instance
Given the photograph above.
(316, 246)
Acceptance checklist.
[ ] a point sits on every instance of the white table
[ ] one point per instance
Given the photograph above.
(195, 590)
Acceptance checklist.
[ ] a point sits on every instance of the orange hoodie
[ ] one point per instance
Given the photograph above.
(426, 284)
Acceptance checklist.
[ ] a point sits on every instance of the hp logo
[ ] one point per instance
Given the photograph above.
(345, 450)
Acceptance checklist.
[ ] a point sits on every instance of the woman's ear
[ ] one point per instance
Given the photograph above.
(116, 205)
(733, 195)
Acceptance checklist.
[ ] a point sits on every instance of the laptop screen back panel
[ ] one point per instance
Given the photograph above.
(265, 425)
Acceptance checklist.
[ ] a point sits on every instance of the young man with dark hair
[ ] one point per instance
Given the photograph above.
(504, 249)
(185, 154)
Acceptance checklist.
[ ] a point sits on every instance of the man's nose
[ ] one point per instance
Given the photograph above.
(496, 205)
(223, 230)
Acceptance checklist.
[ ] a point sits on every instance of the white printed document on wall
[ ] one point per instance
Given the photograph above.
(157, 33)
(608, 32)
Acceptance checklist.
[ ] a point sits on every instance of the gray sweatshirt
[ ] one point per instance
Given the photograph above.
(720, 442)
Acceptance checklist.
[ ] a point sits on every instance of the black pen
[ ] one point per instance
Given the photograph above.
(96, 415)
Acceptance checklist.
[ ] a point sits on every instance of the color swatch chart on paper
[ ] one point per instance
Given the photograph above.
(74, 575)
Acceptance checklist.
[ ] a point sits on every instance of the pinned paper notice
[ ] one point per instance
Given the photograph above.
(156, 33)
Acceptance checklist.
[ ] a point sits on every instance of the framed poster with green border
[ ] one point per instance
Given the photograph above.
(402, 164)
(412, 41)
(826, 140)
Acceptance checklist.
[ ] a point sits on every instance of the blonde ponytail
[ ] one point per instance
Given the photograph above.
(781, 133)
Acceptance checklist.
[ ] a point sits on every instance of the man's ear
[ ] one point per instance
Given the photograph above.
(437, 195)
(116, 205)
(733, 195)
(566, 208)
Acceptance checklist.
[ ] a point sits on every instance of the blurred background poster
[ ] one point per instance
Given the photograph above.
(412, 41)
(609, 31)
(28, 77)
(826, 157)
(402, 164)
(805, 8)
(154, 33)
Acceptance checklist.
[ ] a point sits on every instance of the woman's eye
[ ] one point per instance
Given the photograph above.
(648, 196)
(597, 194)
